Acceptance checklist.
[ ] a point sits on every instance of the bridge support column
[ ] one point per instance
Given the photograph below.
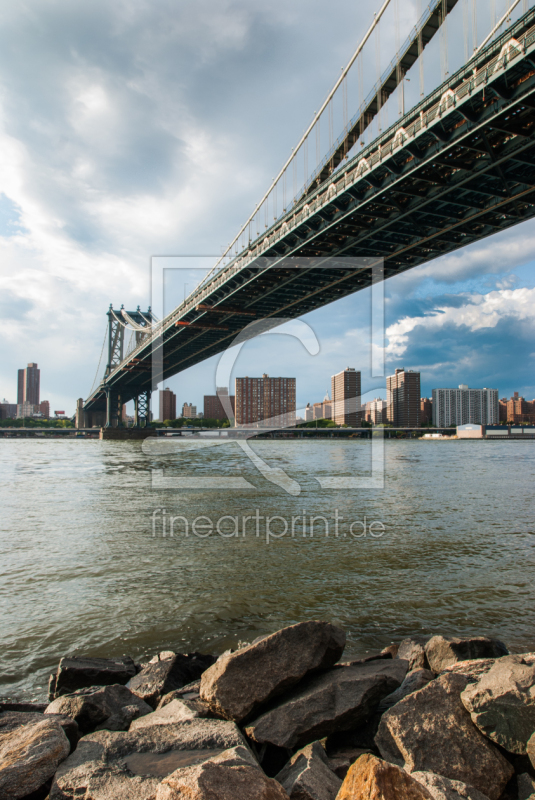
(114, 409)
(142, 410)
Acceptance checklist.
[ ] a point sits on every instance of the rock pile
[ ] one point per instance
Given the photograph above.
(435, 718)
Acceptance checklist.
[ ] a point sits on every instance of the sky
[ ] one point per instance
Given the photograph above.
(132, 130)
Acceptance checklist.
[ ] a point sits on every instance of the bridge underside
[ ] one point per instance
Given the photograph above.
(466, 176)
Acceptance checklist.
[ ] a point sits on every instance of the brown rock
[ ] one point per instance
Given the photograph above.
(413, 681)
(79, 672)
(105, 707)
(502, 703)
(413, 651)
(29, 756)
(238, 683)
(372, 779)
(337, 700)
(175, 711)
(443, 651)
(442, 788)
(431, 731)
(232, 775)
(174, 671)
(309, 775)
(112, 766)
(9, 720)
(525, 785)
(530, 749)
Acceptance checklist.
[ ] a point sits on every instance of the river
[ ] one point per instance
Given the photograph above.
(447, 546)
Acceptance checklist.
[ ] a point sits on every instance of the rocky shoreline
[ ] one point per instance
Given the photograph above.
(433, 718)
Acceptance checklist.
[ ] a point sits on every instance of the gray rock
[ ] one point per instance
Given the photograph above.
(337, 700)
(175, 711)
(107, 707)
(502, 703)
(309, 775)
(174, 671)
(9, 720)
(29, 756)
(431, 731)
(413, 651)
(190, 695)
(525, 786)
(238, 683)
(108, 766)
(413, 681)
(442, 788)
(443, 651)
(475, 668)
(77, 672)
(232, 775)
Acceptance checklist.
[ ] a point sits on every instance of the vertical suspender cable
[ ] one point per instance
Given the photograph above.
(421, 51)
(474, 24)
(378, 70)
(466, 15)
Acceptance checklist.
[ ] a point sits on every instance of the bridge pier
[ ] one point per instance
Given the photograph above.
(142, 410)
(114, 409)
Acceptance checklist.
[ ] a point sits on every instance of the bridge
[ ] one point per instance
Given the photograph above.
(456, 168)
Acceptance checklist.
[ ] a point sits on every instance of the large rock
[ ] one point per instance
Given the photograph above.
(9, 720)
(431, 731)
(475, 668)
(108, 707)
(525, 785)
(413, 681)
(232, 775)
(309, 775)
(163, 676)
(109, 766)
(502, 703)
(238, 683)
(78, 672)
(442, 788)
(530, 749)
(175, 711)
(337, 700)
(372, 779)
(413, 651)
(443, 651)
(29, 756)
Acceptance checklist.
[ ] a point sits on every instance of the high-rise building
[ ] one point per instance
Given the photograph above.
(167, 405)
(9, 409)
(44, 408)
(265, 401)
(426, 410)
(517, 410)
(376, 411)
(463, 405)
(403, 398)
(213, 404)
(345, 397)
(308, 413)
(189, 411)
(28, 385)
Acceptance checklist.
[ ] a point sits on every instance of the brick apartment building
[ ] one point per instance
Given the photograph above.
(426, 410)
(213, 406)
(167, 405)
(517, 410)
(403, 398)
(265, 401)
(345, 398)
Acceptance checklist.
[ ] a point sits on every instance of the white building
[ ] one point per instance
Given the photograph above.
(463, 406)
(376, 411)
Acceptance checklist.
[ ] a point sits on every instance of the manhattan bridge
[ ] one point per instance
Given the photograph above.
(457, 166)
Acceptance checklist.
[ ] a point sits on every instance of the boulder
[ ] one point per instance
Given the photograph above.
(477, 667)
(413, 651)
(190, 695)
(238, 683)
(160, 677)
(107, 707)
(431, 731)
(339, 699)
(413, 681)
(29, 756)
(502, 703)
(232, 775)
(309, 776)
(443, 651)
(341, 756)
(108, 765)
(9, 720)
(175, 711)
(77, 672)
(525, 786)
(372, 779)
(442, 788)
(530, 749)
